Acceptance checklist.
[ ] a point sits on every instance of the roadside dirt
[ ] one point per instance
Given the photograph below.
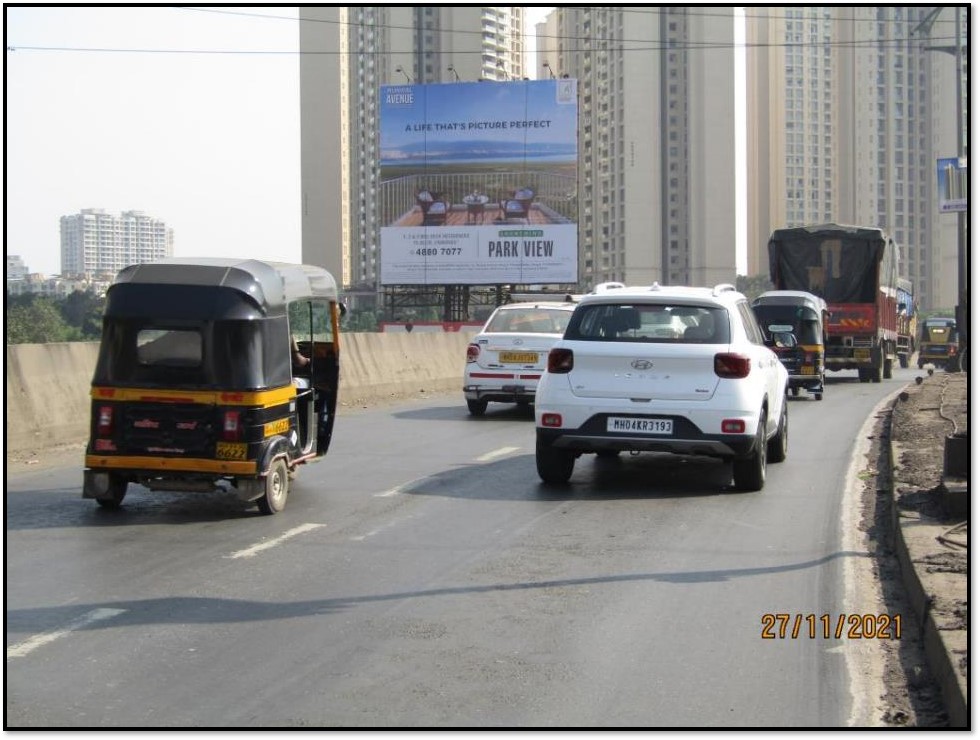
(918, 424)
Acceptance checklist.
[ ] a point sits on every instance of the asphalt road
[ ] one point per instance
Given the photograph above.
(421, 576)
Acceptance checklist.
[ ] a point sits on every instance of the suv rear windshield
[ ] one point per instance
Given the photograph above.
(650, 322)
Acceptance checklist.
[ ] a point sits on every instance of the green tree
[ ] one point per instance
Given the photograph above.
(35, 319)
(83, 311)
(361, 321)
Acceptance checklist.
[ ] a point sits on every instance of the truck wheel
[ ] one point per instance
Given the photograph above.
(903, 361)
(554, 465)
(273, 499)
(749, 473)
(877, 372)
(887, 371)
(116, 492)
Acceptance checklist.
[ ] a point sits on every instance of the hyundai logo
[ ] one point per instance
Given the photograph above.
(641, 364)
(518, 341)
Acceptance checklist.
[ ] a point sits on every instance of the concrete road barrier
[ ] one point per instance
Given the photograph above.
(48, 385)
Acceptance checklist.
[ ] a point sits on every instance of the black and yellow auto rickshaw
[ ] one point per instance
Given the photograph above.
(195, 387)
(938, 342)
(794, 323)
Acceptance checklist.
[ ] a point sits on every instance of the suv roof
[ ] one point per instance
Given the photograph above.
(723, 292)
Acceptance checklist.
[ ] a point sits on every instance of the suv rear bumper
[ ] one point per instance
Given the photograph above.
(726, 446)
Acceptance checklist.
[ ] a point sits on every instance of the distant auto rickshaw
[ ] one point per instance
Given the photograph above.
(803, 315)
(938, 342)
(198, 386)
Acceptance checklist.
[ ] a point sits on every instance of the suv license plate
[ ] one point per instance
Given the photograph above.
(644, 426)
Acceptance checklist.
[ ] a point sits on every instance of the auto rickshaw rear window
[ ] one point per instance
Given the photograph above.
(169, 347)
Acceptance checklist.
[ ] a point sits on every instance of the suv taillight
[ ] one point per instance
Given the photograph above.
(472, 352)
(104, 424)
(231, 427)
(732, 365)
(560, 360)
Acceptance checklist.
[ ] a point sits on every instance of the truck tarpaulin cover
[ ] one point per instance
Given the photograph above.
(839, 264)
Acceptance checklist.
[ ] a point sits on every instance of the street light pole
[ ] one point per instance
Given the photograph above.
(962, 306)
(962, 303)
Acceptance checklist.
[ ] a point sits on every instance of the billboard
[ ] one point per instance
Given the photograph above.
(479, 183)
(951, 177)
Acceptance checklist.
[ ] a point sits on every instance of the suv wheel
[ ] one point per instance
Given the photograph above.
(779, 444)
(749, 473)
(554, 465)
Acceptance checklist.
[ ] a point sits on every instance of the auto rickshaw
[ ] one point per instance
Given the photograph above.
(195, 388)
(938, 342)
(804, 316)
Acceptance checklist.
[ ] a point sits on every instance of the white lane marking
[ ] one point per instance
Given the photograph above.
(398, 489)
(33, 643)
(497, 453)
(256, 549)
(382, 528)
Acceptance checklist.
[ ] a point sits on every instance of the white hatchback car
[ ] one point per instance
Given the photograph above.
(506, 359)
(663, 369)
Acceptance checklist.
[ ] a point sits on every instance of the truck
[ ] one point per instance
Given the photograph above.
(906, 323)
(855, 270)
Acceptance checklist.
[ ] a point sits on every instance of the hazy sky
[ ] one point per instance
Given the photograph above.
(208, 142)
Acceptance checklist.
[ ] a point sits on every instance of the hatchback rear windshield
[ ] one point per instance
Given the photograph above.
(650, 322)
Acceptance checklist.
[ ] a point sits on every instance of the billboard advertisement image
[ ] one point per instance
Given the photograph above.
(479, 183)
(951, 177)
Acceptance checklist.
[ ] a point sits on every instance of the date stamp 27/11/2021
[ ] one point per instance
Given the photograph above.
(778, 626)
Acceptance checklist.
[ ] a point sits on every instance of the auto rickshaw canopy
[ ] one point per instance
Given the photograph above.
(215, 323)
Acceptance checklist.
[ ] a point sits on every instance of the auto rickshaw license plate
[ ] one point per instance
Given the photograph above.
(523, 358)
(231, 450)
(862, 354)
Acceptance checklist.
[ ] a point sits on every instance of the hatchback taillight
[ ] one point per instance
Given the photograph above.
(560, 360)
(231, 428)
(732, 365)
(472, 352)
(104, 423)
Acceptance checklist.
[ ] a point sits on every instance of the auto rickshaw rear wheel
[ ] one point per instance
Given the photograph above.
(115, 492)
(273, 499)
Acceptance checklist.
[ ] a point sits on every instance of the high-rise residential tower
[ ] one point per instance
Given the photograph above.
(656, 141)
(94, 241)
(347, 54)
(845, 122)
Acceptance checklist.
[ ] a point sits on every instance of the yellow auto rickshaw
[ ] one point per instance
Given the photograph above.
(198, 386)
(802, 315)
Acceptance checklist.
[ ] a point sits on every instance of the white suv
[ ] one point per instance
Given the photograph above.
(506, 359)
(663, 369)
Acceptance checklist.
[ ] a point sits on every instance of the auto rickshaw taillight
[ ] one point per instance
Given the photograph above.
(104, 424)
(231, 429)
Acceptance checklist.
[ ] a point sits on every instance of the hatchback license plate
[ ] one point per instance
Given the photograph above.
(644, 426)
(523, 358)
